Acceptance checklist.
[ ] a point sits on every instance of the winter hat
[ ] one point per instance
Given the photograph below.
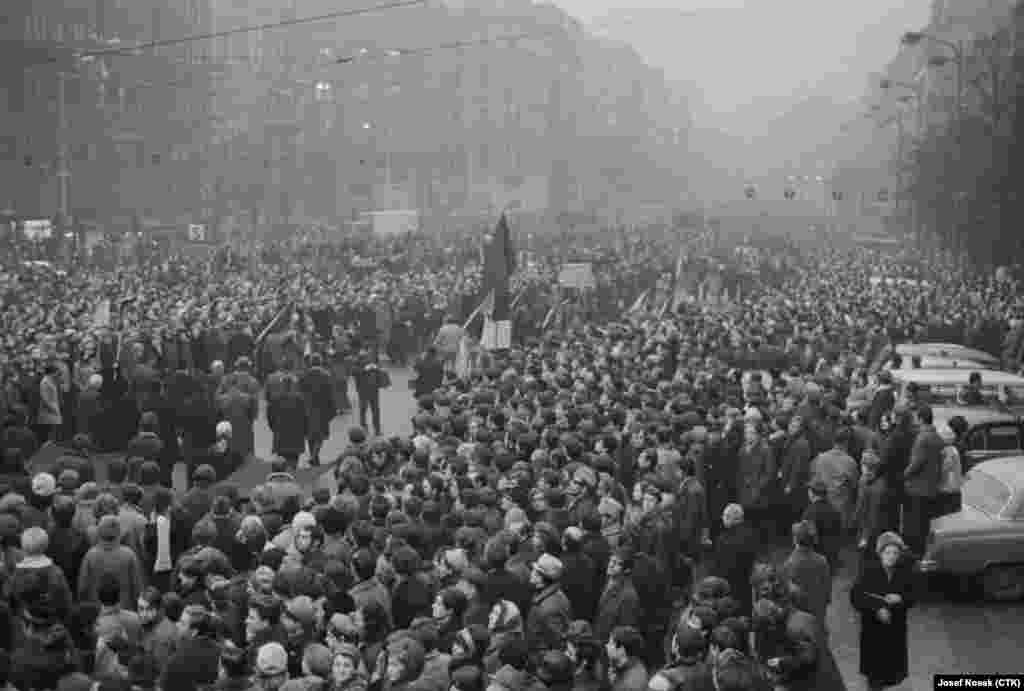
(889, 538)
(302, 610)
(44, 485)
(12, 503)
(271, 660)
(68, 480)
(549, 566)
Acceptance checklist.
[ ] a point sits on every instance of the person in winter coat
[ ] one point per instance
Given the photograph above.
(45, 653)
(108, 557)
(288, 417)
(370, 379)
(756, 475)
(550, 611)
(318, 392)
(687, 669)
(429, 372)
(577, 575)
(735, 552)
(828, 524)
(872, 516)
(921, 481)
(37, 577)
(241, 410)
(883, 596)
(810, 572)
(840, 473)
(795, 466)
(619, 604)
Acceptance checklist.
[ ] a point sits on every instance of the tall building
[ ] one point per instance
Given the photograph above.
(131, 126)
(458, 110)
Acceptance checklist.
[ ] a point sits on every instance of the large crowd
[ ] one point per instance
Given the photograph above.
(587, 510)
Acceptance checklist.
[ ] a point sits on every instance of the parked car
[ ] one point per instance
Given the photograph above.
(945, 351)
(946, 387)
(991, 432)
(985, 540)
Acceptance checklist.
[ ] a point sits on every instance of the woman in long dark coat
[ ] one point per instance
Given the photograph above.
(883, 594)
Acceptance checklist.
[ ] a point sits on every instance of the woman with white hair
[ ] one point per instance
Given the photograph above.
(735, 554)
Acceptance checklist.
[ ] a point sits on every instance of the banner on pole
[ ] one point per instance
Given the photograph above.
(497, 335)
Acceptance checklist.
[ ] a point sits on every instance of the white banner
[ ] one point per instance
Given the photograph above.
(496, 335)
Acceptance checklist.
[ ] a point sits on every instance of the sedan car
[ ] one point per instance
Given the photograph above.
(991, 432)
(985, 539)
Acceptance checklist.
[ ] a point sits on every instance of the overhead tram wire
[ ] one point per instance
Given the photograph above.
(284, 23)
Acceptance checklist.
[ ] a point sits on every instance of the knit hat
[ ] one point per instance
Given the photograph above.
(889, 538)
(549, 566)
(271, 660)
(344, 625)
(585, 476)
(44, 485)
(68, 480)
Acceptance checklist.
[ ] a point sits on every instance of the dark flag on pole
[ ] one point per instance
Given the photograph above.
(499, 265)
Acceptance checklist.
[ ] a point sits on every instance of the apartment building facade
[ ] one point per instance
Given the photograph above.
(131, 126)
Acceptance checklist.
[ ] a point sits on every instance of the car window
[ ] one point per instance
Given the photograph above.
(985, 493)
(1003, 438)
(976, 440)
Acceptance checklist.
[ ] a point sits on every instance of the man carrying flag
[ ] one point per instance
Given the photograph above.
(499, 265)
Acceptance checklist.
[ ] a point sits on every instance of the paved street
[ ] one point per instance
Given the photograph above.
(396, 406)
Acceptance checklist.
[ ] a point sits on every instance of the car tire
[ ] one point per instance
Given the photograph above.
(1003, 583)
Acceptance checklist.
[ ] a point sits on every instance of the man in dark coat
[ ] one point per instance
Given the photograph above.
(921, 481)
(429, 372)
(619, 604)
(370, 379)
(287, 416)
(735, 553)
(810, 572)
(318, 392)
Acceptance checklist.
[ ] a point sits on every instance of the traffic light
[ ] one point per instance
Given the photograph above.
(27, 161)
(837, 196)
(883, 194)
(789, 194)
(751, 192)
(155, 159)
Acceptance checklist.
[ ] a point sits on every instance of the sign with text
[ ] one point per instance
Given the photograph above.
(579, 275)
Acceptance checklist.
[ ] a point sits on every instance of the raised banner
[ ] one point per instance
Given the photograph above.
(496, 335)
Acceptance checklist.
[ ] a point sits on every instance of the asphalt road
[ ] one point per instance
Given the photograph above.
(397, 407)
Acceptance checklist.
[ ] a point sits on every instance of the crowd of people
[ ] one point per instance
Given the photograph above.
(590, 509)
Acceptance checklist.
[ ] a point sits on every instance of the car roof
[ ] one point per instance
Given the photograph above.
(957, 376)
(945, 350)
(1009, 470)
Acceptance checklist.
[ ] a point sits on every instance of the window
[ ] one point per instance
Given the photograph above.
(1003, 438)
(985, 493)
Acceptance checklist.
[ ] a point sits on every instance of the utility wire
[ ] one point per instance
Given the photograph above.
(150, 45)
(399, 52)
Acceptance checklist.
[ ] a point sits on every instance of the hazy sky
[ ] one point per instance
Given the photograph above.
(749, 60)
